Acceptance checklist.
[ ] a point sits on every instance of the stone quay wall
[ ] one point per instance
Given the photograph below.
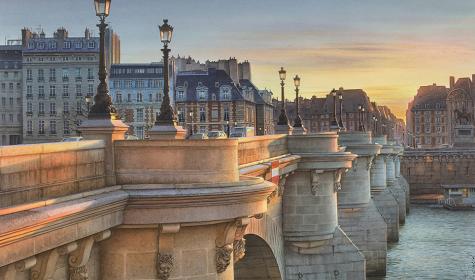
(426, 170)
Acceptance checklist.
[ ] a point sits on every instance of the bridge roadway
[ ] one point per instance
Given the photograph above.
(267, 207)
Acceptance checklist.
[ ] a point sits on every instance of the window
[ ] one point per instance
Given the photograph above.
(52, 127)
(31, 45)
(29, 108)
(52, 109)
(41, 92)
(41, 75)
(10, 86)
(139, 115)
(181, 95)
(139, 132)
(29, 75)
(67, 44)
(4, 101)
(181, 115)
(41, 108)
(118, 97)
(10, 117)
(65, 90)
(3, 87)
(427, 130)
(11, 101)
(52, 91)
(139, 97)
(90, 75)
(78, 74)
(41, 127)
(65, 73)
(66, 107)
(78, 45)
(129, 97)
(52, 45)
(78, 90)
(29, 127)
(90, 89)
(202, 114)
(202, 95)
(52, 75)
(91, 44)
(66, 127)
(226, 113)
(150, 97)
(29, 92)
(225, 93)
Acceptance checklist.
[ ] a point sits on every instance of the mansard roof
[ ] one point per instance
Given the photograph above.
(352, 98)
(53, 45)
(212, 79)
(430, 97)
(152, 70)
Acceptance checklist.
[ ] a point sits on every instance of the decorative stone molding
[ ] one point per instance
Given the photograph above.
(315, 184)
(46, 262)
(370, 163)
(337, 180)
(9, 272)
(223, 257)
(282, 180)
(166, 242)
(79, 257)
(165, 264)
(239, 249)
(354, 166)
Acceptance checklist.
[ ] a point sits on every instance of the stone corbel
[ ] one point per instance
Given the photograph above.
(79, 257)
(9, 272)
(282, 180)
(354, 165)
(370, 163)
(337, 180)
(315, 183)
(46, 262)
(166, 243)
(224, 245)
(239, 244)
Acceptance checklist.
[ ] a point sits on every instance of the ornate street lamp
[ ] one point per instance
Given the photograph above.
(298, 119)
(340, 118)
(360, 118)
(334, 123)
(375, 120)
(283, 120)
(102, 108)
(191, 122)
(167, 115)
(228, 129)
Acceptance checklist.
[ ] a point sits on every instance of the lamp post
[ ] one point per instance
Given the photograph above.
(191, 122)
(167, 115)
(283, 120)
(360, 118)
(340, 118)
(228, 129)
(375, 121)
(298, 119)
(102, 108)
(334, 122)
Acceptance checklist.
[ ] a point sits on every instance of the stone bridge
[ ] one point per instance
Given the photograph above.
(316, 206)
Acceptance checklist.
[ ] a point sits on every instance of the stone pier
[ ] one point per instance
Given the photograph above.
(357, 213)
(393, 182)
(316, 247)
(382, 196)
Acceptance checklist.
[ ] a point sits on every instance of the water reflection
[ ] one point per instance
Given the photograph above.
(434, 244)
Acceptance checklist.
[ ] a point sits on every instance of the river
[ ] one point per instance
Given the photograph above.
(434, 244)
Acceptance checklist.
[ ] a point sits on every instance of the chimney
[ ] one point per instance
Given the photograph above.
(25, 36)
(452, 82)
(42, 34)
(87, 34)
(473, 78)
(61, 33)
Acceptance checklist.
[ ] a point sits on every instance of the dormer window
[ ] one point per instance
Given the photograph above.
(91, 44)
(181, 95)
(67, 44)
(41, 45)
(202, 94)
(225, 93)
(216, 84)
(52, 45)
(31, 45)
(78, 45)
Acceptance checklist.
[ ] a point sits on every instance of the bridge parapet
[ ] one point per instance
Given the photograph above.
(37, 172)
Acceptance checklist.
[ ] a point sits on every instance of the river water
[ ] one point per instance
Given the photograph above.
(435, 243)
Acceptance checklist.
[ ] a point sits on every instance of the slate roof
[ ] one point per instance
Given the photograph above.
(352, 98)
(428, 97)
(190, 80)
(34, 45)
(116, 75)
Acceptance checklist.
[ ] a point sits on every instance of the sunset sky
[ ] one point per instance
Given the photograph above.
(388, 48)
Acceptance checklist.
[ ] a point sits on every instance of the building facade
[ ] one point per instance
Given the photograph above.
(11, 94)
(59, 72)
(426, 118)
(137, 93)
(318, 113)
(210, 100)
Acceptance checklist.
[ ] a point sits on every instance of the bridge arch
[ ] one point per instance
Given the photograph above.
(259, 261)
